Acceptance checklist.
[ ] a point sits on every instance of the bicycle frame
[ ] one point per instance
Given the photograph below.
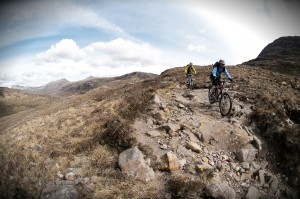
(220, 89)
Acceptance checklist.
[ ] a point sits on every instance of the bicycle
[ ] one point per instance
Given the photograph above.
(190, 82)
(220, 93)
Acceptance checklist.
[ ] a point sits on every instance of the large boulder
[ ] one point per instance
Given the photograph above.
(132, 163)
(246, 155)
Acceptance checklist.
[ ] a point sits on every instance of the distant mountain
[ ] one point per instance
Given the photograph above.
(282, 55)
(65, 87)
(85, 85)
(48, 89)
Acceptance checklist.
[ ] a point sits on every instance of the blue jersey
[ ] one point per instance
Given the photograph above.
(217, 71)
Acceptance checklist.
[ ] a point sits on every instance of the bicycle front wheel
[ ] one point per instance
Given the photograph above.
(211, 94)
(225, 104)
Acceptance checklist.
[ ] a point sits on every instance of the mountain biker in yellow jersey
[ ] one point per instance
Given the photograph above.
(218, 69)
(189, 69)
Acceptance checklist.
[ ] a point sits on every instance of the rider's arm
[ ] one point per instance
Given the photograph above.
(185, 69)
(194, 70)
(227, 74)
(214, 72)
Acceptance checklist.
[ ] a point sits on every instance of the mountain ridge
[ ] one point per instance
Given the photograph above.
(281, 55)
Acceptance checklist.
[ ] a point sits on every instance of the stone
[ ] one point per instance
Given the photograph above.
(61, 190)
(174, 142)
(252, 193)
(246, 155)
(205, 159)
(246, 176)
(274, 185)
(221, 190)
(225, 157)
(261, 175)
(158, 116)
(192, 137)
(256, 143)
(173, 162)
(59, 174)
(194, 147)
(153, 133)
(180, 105)
(172, 129)
(254, 167)
(264, 164)
(157, 100)
(203, 167)
(245, 165)
(237, 178)
(150, 122)
(183, 151)
(211, 162)
(132, 163)
(70, 176)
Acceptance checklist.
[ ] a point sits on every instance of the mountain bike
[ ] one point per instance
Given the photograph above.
(190, 82)
(220, 94)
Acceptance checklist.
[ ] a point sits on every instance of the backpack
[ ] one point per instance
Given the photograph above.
(189, 69)
(217, 65)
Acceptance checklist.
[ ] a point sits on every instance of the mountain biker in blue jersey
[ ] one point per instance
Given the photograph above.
(218, 69)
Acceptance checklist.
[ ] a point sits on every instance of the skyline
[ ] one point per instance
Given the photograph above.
(43, 41)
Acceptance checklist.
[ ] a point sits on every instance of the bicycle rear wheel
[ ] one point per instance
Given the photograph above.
(225, 104)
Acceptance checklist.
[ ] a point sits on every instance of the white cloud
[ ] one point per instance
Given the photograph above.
(66, 59)
(66, 49)
(100, 54)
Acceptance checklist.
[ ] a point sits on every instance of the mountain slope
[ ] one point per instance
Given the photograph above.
(282, 55)
(181, 146)
(80, 137)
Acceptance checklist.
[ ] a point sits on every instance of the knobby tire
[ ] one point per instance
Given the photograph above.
(211, 96)
(225, 97)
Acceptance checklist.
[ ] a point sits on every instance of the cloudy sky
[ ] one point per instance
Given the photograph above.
(43, 40)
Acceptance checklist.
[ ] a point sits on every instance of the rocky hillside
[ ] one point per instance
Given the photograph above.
(14, 101)
(157, 139)
(148, 136)
(282, 55)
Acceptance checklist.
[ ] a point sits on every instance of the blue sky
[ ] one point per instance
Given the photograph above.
(43, 41)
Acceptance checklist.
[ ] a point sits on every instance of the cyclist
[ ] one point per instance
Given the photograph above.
(189, 69)
(218, 69)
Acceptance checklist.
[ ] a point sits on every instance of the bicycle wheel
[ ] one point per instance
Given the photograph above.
(211, 95)
(190, 82)
(225, 104)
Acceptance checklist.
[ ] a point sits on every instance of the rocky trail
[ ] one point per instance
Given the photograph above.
(185, 135)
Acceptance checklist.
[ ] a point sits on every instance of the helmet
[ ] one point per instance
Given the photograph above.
(222, 62)
(190, 64)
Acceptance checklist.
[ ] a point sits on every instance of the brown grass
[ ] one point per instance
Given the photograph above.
(182, 187)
